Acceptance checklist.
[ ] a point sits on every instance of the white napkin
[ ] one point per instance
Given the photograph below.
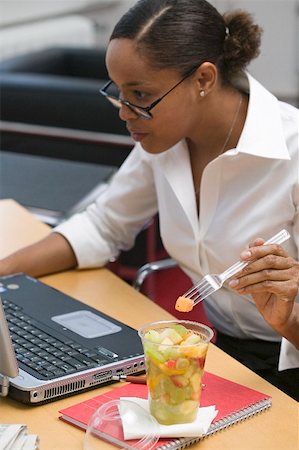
(136, 425)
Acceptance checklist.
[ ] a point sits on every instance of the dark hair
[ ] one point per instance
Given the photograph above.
(182, 34)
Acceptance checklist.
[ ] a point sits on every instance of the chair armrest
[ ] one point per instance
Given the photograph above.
(148, 268)
(65, 143)
(67, 133)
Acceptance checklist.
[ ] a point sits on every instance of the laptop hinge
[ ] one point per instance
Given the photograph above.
(4, 385)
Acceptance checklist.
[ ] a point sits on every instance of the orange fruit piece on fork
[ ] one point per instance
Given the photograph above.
(184, 304)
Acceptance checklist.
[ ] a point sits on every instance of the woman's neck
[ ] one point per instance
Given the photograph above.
(221, 127)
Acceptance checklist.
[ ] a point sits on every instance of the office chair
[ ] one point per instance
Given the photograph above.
(51, 106)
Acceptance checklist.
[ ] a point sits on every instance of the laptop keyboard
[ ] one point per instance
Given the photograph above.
(45, 356)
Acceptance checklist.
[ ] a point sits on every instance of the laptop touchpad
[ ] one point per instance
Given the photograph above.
(86, 324)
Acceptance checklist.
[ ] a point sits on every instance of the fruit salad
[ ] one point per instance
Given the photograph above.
(175, 358)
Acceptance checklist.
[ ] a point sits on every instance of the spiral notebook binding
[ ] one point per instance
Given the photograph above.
(239, 416)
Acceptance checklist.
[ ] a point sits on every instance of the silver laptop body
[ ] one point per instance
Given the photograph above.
(97, 347)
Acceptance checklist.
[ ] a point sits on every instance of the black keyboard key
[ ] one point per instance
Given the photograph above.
(72, 352)
(65, 358)
(77, 364)
(58, 372)
(51, 359)
(85, 360)
(67, 368)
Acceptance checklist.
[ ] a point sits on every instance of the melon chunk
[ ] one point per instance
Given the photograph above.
(184, 304)
(171, 334)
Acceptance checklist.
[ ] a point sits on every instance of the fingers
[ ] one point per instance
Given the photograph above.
(285, 290)
(270, 269)
(257, 250)
(256, 242)
(268, 265)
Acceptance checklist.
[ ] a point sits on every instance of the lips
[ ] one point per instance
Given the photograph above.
(137, 135)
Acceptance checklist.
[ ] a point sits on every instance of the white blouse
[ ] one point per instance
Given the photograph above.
(249, 191)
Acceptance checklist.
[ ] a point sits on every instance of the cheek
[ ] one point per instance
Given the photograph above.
(166, 131)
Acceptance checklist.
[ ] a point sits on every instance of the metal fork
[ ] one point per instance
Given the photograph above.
(212, 282)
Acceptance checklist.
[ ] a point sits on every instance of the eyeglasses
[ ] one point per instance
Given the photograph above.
(143, 112)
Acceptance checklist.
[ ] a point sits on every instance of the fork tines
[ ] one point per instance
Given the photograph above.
(199, 291)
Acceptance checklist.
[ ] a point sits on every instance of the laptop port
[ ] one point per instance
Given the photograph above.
(100, 375)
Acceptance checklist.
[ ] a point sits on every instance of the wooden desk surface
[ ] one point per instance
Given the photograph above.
(275, 429)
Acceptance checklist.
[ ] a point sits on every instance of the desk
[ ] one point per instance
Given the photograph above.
(275, 429)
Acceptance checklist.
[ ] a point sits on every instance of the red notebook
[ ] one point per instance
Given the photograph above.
(233, 401)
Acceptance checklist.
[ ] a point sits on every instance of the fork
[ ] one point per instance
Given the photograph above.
(212, 282)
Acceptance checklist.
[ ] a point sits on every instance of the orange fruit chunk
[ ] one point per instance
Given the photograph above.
(184, 304)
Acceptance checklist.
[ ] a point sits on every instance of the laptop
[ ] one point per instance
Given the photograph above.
(60, 346)
(51, 189)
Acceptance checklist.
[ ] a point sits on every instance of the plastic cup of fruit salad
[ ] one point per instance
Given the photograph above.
(175, 353)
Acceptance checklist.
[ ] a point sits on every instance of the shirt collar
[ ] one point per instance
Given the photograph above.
(262, 134)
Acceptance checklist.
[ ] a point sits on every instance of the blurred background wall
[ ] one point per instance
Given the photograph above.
(27, 25)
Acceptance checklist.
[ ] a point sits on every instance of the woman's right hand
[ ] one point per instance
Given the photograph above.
(272, 279)
(49, 255)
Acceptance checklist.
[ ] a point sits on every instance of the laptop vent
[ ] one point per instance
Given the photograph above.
(60, 390)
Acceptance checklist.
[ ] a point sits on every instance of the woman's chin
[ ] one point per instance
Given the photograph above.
(154, 148)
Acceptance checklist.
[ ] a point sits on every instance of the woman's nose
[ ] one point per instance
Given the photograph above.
(126, 113)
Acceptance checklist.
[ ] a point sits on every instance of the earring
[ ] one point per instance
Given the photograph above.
(202, 93)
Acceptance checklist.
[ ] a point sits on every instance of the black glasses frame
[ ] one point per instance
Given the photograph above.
(141, 111)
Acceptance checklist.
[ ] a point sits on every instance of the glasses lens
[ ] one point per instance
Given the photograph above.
(112, 94)
(118, 103)
(112, 90)
(115, 102)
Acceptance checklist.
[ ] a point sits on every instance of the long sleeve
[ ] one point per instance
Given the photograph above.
(111, 224)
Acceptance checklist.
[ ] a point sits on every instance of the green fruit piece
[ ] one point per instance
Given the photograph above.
(165, 344)
(182, 363)
(171, 352)
(153, 336)
(192, 339)
(175, 395)
(172, 334)
(195, 382)
(188, 406)
(168, 414)
(180, 329)
(153, 354)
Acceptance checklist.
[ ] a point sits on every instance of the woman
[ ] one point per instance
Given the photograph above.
(216, 156)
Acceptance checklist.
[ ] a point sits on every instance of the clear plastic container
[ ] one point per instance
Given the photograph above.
(175, 353)
(106, 425)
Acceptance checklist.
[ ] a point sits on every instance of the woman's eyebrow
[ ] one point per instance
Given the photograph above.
(136, 83)
(143, 83)
(133, 83)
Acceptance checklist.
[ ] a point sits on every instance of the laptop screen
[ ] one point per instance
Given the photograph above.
(8, 362)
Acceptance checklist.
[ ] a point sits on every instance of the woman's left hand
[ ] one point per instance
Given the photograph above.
(272, 279)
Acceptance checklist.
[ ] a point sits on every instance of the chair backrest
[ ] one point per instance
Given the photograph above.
(164, 286)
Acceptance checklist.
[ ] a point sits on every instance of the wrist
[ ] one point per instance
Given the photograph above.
(5, 267)
(290, 329)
